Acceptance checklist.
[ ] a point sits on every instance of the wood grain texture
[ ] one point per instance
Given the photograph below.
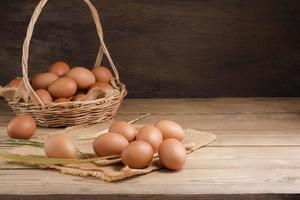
(211, 106)
(200, 106)
(255, 156)
(155, 197)
(191, 181)
(222, 114)
(169, 48)
(223, 153)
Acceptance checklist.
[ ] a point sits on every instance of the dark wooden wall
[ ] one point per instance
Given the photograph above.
(167, 48)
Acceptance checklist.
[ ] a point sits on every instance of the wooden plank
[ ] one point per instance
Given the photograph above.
(153, 197)
(193, 181)
(213, 157)
(219, 122)
(233, 138)
(267, 143)
(228, 122)
(256, 138)
(172, 49)
(255, 153)
(211, 106)
(167, 107)
(231, 109)
(200, 106)
(259, 141)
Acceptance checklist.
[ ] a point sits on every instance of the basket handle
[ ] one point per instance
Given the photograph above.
(26, 44)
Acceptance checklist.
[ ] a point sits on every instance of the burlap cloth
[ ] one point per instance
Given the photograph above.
(109, 169)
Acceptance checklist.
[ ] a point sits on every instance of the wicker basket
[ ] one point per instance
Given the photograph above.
(68, 113)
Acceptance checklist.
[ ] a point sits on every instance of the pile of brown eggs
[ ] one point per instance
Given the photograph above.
(136, 147)
(63, 84)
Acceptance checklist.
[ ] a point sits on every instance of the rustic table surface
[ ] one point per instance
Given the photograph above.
(255, 156)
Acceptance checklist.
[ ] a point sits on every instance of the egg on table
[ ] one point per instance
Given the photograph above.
(109, 144)
(150, 134)
(170, 129)
(59, 68)
(137, 155)
(83, 77)
(59, 146)
(172, 154)
(123, 128)
(21, 127)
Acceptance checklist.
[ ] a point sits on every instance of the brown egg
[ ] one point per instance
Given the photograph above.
(59, 68)
(14, 83)
(137, 155)
(59, 146)
(172, 154)
(43, 80)
(152, 135)
(102, 74)
(61, 100)
(21, 127)
(44, 96)
(123, 128)
(170, 129)
(83, 77)
(109, 144)
(63, 88)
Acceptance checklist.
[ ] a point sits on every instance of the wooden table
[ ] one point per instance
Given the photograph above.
(256, 155)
